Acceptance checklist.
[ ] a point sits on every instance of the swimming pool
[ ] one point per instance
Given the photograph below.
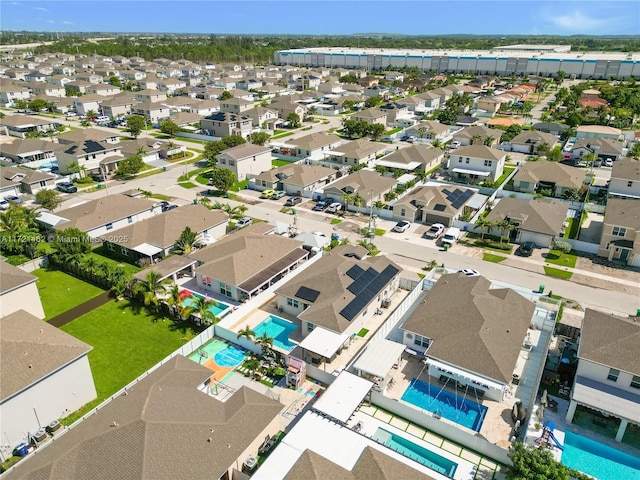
(223, 354)
(279, 329)
(218, 310)
(597, 459)
(446, 404)
(416, 452)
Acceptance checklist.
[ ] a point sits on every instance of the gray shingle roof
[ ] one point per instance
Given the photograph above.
(473, 326)
(610, 340)
(166, 429)
(626, 168)
(558, 173)
(623, 212)
(12, 277)
(535, 215)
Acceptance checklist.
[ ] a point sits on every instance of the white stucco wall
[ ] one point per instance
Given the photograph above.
(52, 398)
(599, 373)
(24, 298)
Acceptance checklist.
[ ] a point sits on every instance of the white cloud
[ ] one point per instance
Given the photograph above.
(51, 22)
(16, 3)
(67, 22)
(577, 21)
(41, 9)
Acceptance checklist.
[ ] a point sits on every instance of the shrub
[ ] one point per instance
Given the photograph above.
(562, 246)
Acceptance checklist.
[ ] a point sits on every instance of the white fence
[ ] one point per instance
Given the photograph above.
(580, 246)
(197, 136)
(34, 264)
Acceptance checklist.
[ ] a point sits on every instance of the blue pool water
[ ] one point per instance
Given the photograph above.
(448, 405)
(416, 452)
(218, 310)
(598, 460)
(279, 329)
(229, 357)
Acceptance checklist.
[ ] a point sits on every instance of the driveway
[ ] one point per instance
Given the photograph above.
(591, 230)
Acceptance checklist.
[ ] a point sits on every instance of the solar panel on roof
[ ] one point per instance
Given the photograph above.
(355, 271)
(440, 207)
(368, 291)
(308, 294)
(362, 281)
(91, 146)
(461, 197)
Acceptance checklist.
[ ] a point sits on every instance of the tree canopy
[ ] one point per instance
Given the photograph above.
(129, 166)
(49, 199)
(222, 179)
(135, 125)
(169, 127)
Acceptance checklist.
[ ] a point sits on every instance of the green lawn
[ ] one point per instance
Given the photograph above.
(276, 162)
(335, 221)
(102, 254)
(490, 257)
(556, 272)
(282, 135)
(506, 172)
(126, 341)
(559, 258)
(60, 292)
(187, 185)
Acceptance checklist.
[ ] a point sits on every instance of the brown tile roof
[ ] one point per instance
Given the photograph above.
(542, 215)
(12, 277)
(424, 154)
(329, 277)
(476, 130)
(558, 173)
(363, 182)
(473, 326)
(479, 151)
(95, 213)
(297, 174)
(315, 140)
(435, 199)
(164, 229)
(245, 150)
(626, 168)
(372, 464)
(25, 175)
(31, 349)
(605, 145)
(610, 340)
(165, 429)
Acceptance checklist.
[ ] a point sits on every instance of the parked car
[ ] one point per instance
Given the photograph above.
(278, 194)
(335, 207)
(469, 272)
(455, 144)
(267, 194)
(291, 201)
(67, 187)
(322, 205)
(435, 231)
(451, 236)
(401, 227)
(97, 177)
(526, 249)
(244, 222)
(168, 207)
(4, 205)
(13, 199)
(608, 162)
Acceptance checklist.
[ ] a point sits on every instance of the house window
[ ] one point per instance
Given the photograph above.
(613, 375)
(466, 161)
(225, 290)
(635, 381)
(129, 219)
(403, 212)
(460, 160)
(232, 163)
(619, 232)
(109, 226)
(43, 183)
(487, 163)
(223, 161)
(310, 327)
(124, 251)
(110, 246)
(292, 303)
(629, 183)
(421, 341)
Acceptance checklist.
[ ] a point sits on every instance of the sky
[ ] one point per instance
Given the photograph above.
(418, 17)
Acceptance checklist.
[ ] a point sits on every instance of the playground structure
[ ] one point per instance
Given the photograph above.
(548, 437)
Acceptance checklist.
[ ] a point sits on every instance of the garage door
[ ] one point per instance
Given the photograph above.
(636, 260)
(539, 239)
(431, 219)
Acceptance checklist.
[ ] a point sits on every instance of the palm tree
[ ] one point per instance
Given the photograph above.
(103, 269)
(151, 288)
(476, 139)
(188, 241)
(488, 141)
(437, 144)
(266, 344)
(590, 158)
(378, 205)
(90, 264)
(234, 212)
(202, 307)
(505, 224)
(347, 198)
(92, 115)
(206, 201)
(247, 333)
(482, 223)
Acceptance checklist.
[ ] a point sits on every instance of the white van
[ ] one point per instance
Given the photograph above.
(102, 119)
(451, 235)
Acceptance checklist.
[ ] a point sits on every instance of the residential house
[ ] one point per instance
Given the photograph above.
(430, 131)
(356, 152)
(151, 95)
(244, 263)
(30, 181)
(477, 134)
(314, 145)
(488, 106)
(397, 112)
(9, 93)
(607, 380)
(377, 91)
(18, 291)
(415, 104)
(549, 127)
(532, 177)
(101, 217)
(153, 238)
(477, 163)
(470, 332)
(394, 76)
(118, 106)
(204, 107)
(173, 403)
(533, 142)
(45, 375)
(60, 80)
(602, 147)
(222, 124)
(296, 179)
(372, 116)
(263, 117)
(431, 101)
(331, 88)
(246, 160)
(620, 239)
(86, 103)
(78, 87)
(29, 150)
(89, 77)
(598, 131)
(435, 204)
(541, 221)
(171, 85)
(81, 147)
(103, 89)
(47, 89)
(155, 113)
(625, 178)
(285, 106)
(338, 293)
(148, 148)
(235, 105)
(368, 185)
(413, 159)
(20, 125)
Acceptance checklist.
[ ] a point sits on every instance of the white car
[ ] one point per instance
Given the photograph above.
(608, 162)
(436, 230)
(401, 227)
(469, 272)
(244, 222)
(334, 207)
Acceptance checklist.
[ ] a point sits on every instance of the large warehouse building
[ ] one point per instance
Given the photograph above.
(544, 60)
